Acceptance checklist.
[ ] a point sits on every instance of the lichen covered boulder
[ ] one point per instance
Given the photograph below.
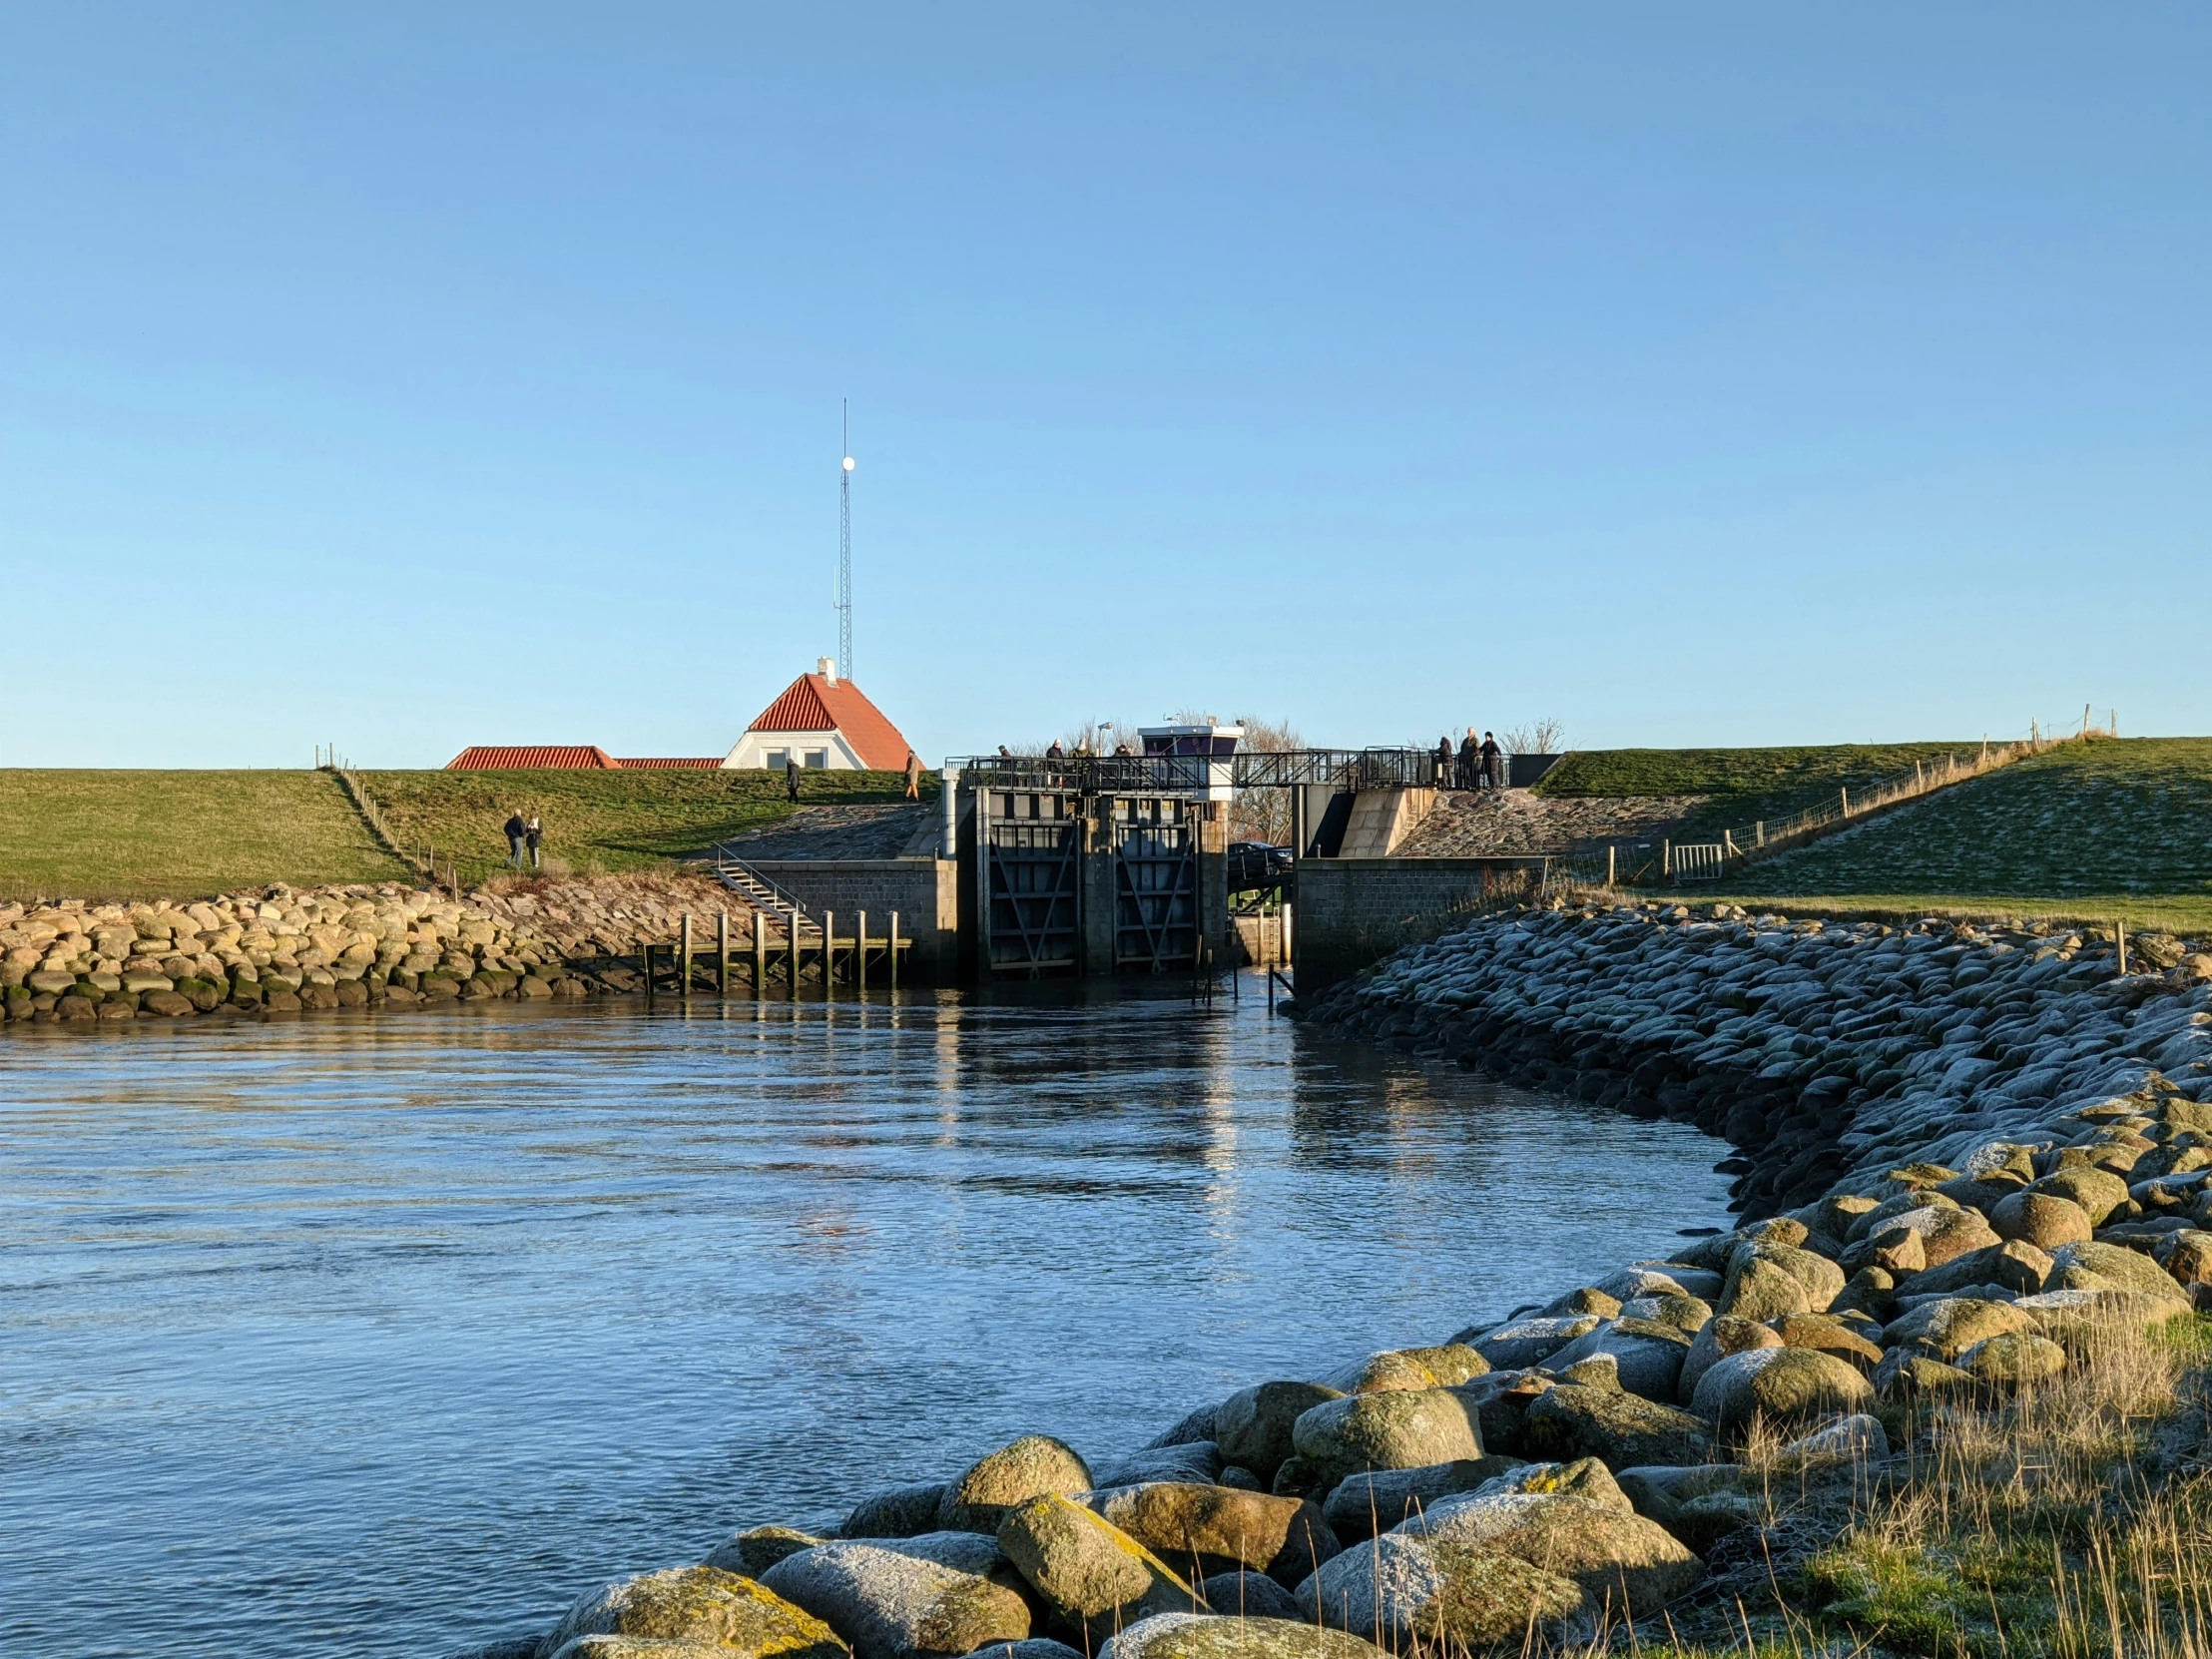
(1406, 1592)
(1616, 1556)
(702, 1605)
(1782, 1386)
(1092, 1574)
(1366, 1503)
(1204, 1530)
(1253, 1427)
(893, 1605)
(1198, 1636)
(1403, 1428)
(1619, 1430)
(992, 1485)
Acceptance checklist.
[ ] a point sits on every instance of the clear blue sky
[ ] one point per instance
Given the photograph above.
(416, 375)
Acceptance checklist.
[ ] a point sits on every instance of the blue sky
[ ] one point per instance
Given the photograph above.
(412, 377)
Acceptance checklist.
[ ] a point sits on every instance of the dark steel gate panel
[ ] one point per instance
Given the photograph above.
(1155, 896)
(1031, 916)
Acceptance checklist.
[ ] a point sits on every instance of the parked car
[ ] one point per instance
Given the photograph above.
(1255, 866)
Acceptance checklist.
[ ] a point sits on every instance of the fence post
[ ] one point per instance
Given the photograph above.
(1666, 860)
(1759, 832)
(2119, 939)
(1610, 852)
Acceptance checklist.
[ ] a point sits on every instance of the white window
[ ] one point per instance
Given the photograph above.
(819, 759)
(778, 760)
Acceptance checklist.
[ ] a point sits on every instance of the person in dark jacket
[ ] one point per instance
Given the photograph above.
(516, 831)
(1442, 778)
(1470, 761)
(1494, 761)
(791, 777)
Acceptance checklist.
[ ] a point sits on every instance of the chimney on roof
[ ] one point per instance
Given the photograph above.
(827, 667)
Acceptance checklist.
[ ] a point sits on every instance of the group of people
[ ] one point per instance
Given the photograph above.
(1472, 765)
(525, 835)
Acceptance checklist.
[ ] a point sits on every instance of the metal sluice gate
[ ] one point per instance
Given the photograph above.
(1034, 849)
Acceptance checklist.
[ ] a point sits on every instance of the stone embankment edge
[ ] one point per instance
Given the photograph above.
(1814, 1047)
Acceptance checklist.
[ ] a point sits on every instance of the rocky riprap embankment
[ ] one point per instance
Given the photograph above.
(1568, 1466)
(1814, 1047)
(1529, 1480)
(278, 951)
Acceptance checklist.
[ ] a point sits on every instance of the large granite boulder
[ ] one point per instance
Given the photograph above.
(1206, 1529)
(1782, 1386)
(702, 1605)
(1094, 1576)
(1402, 1428)
(992, 1485)
(1253, 1427)
(891, 1605)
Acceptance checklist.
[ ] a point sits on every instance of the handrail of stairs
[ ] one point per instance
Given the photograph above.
(740, 877)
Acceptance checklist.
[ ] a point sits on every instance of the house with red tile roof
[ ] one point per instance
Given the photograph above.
(825, 723)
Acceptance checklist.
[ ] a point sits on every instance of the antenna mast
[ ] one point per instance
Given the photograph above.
(845, 551)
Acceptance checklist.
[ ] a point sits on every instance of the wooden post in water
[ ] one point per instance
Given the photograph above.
(759, 952)
(684, 952)
(791, 923)
(829, 949)
(895, 950)
(722, 954)
(859, 955)
(645, 959)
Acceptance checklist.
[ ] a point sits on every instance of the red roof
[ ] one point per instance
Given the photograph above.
(815, 703)
(533, 756)
(684, 762)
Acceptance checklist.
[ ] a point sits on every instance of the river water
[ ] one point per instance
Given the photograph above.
(383, 1335)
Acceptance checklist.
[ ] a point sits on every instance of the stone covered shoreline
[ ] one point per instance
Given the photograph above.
(279, 951)
(1996, 1154)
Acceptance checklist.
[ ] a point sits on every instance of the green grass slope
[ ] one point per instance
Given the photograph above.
(150, 834)
(602, 820)
(1743, 786)
(2109, 820)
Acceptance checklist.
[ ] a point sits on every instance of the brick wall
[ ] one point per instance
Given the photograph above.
(1351, 912)
(923, 890)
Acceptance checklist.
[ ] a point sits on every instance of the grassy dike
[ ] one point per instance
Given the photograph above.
(135, 834)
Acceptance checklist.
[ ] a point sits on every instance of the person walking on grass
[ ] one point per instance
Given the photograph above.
(516, 831)
(791, 777)
(533, 837)
(913, 775)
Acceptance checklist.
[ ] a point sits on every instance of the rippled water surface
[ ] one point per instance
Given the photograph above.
(385, 1335)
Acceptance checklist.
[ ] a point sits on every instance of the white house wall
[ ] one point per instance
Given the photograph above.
(751, 753)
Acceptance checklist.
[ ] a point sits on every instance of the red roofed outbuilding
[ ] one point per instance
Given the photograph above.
(826, 723)
(573, 757)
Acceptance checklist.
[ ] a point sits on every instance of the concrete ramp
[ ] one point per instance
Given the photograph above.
(1383, 818)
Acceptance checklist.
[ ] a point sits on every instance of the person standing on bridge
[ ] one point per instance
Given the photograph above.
(791, 777)
(913, 775)
(1470, 761)
(516, 830)
(1494, 761)
(1444, 763)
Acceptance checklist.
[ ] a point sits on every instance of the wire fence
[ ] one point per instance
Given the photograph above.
(1673, 863)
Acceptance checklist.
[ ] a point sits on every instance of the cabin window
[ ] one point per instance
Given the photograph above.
(819, 759)
(778, 760)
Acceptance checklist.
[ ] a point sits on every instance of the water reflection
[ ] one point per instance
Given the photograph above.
(379, 1335)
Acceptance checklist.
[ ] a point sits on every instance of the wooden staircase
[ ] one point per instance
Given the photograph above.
(764, 896)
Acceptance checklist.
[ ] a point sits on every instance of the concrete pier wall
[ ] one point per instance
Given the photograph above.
(1352, 912)
(924, 892)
